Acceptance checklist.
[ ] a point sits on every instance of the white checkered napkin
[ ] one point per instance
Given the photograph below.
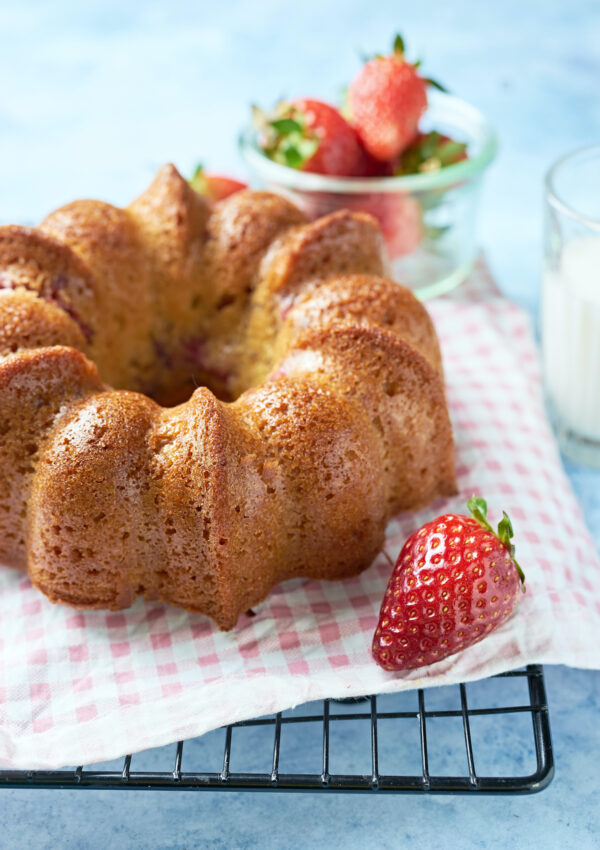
(79, 687)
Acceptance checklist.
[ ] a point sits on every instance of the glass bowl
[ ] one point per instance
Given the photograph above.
(428, 220)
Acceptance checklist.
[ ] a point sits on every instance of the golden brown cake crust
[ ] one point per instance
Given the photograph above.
(31, 261)
(318, 410)
(26, 321)
(403, 396)
(363, 301)
(38, 389)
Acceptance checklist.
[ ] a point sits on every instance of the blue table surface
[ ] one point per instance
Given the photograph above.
(93, 97)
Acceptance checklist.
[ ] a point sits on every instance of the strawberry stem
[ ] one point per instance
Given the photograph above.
(399, 47)
(478, 508)
(435, 84)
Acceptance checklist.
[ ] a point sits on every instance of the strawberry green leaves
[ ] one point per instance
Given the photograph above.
(430, 152)
(435, 84)
(198, 180)
(286, 139)
(478, 508)
(286, 126)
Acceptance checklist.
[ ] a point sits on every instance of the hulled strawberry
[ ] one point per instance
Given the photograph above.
(215, 187)
(310, 135)
(455, 581)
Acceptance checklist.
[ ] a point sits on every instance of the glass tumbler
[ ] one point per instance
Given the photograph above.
(570, 316)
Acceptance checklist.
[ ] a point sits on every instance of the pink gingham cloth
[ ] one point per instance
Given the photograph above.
(83, 687)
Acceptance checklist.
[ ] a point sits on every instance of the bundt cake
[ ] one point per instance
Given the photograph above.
(197, 403)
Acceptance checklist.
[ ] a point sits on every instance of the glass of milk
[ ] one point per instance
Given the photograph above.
(571, 303)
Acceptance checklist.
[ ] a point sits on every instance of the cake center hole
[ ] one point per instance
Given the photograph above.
(178, 370)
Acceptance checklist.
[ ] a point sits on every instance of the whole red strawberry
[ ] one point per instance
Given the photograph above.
(215, 187)
(386, 100)
(311, 136)
(400, 218)
(454, 581)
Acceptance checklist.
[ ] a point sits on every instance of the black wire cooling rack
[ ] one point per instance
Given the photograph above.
(491, 736)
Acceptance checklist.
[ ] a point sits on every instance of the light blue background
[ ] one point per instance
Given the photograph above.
(93, 97)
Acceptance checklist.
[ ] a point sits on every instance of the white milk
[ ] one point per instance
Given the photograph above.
(571, 337)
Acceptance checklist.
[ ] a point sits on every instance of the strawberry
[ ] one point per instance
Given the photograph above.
(311, 136)
(371, 167)
(454, 581)
(400, 218)
(429, 152)
(215, 187)
(385, 101)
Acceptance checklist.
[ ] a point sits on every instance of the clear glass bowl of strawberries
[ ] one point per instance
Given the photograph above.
(400, 149)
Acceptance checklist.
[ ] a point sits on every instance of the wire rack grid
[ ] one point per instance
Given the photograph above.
(337, 726)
